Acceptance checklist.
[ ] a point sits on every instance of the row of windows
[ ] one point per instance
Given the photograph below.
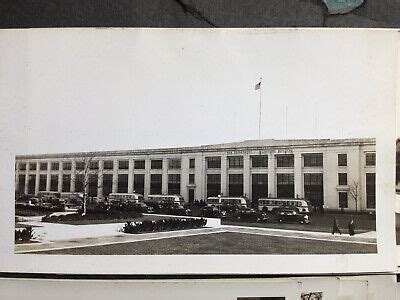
(258, 161)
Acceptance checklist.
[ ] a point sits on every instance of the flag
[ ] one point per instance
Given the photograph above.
(258, 86)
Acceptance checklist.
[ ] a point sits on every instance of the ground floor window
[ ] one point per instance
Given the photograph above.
(31, 184)
(79, 182)
(285, 185)
(66, 184)
(174, 184)
(138, 183)
(259, 187)
(155, 183)
(343, 200)
(314, 188)
(107, 184)
(54, 183)
(122, 183)
(235, 185)
(93, 185)
(370, 188)
(213, 185)
(42, 182)
(21, 184)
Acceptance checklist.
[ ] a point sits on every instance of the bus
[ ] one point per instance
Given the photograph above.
(240, 202)
(172, 199)
(126, 197)
(269, 204)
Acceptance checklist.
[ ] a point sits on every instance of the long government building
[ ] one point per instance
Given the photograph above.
(326, 172)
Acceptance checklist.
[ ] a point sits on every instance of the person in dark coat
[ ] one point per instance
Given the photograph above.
(336, 227)
(351, 228)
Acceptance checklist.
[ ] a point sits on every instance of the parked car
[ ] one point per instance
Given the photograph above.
(212, 212)
(248, 215)
(291, 214)
(175, 209)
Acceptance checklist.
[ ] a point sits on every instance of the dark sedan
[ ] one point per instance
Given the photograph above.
(291, 214)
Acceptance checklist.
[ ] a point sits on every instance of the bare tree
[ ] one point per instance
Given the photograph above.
(86, 168)
(354, 190)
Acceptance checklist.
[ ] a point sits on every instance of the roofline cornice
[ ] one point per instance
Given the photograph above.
(206, 149)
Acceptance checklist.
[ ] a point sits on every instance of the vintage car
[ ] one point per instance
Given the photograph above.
(212, 212)
(248, 215)
(291, 214)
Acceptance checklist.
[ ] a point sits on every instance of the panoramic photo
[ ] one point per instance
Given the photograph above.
(180, 149)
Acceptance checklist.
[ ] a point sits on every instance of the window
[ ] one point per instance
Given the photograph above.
(191, 178)
(285, 161)
(123, 164)
(66, 184)
(214, 162)
(155, 183)
(285, 178)
(138, 183)
(122, 183)
(259, 161)
(313, 178)
(343, 200)
(314, 188)
(174, 163)
(140, 164)
(370, 188)
(107, 184)
(235, 162)
(192, 163)
(43, 166)
(42, 182)
(370, 159)
(21, 184)
(285, 185)
(259, 186)
(80, 165)
(32, 166)
(94, 165)
(31, 184)
(213, 185)
(55, 166)
(342, 160)
(67, 165)
(235, 185)
(174, 184)
(108, 165)
(313, 160)
(54, 183)
(22, 166)
(93, 184)
(342, 178)
(156, 163)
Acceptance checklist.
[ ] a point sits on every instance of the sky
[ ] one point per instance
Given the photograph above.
(67, 90)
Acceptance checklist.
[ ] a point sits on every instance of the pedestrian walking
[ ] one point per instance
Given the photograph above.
(336, 226)
(351, 228)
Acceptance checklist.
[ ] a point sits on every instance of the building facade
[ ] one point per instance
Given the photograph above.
(327, 172)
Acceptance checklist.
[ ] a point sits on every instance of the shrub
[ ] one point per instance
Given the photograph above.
(163, 225)
(109, 215)
(24, 235)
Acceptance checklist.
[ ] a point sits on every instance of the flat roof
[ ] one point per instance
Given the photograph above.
(244, 145)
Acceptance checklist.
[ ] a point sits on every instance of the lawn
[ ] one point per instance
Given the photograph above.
(222, 243)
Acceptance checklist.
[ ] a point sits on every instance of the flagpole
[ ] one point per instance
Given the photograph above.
(259, 112)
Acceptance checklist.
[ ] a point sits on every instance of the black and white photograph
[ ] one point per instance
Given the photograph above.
(200, 143)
